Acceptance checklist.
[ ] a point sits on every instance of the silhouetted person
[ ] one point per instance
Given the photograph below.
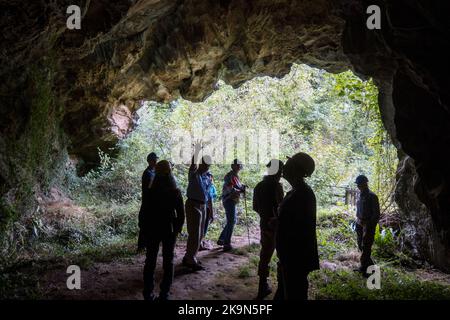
(146, 183)
(367, 217)
(212, 195)
(197, 198)
(267, 195)
(296, 241)
(231, 191)
(161, 222)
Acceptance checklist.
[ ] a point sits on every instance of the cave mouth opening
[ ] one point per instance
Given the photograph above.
(333, 117)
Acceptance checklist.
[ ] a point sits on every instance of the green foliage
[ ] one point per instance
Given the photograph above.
(382, 153)
(385, 242)
(244, 272)
(37, 161)
(395, 285)
(335, 118)
(18, 285)
(334, 232)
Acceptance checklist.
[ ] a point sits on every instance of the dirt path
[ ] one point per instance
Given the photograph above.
(122, 279)
(221, 279)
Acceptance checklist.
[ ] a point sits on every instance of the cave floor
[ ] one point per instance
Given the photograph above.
(224, 277)
(227, 276)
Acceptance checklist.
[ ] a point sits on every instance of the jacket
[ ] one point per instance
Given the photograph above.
(296, 240)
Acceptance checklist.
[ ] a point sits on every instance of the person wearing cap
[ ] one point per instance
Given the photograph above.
(231, 192)
(267, 195)
(197, 198)
(149, 172)
(296, 241)
(146, 182)
(161, 223)
(367, 217)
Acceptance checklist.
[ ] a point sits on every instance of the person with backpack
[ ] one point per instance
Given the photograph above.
(160, 223)
(212, 195)
(267, 195)
(231, 192)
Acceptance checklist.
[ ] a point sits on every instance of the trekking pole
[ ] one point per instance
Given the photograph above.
(246, 216)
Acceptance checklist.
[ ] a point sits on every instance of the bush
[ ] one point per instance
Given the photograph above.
(385, 242)
(395, 285)
(334, 232)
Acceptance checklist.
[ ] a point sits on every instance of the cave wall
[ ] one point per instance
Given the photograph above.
(128, 51)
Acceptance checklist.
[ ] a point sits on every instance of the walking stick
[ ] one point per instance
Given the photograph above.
(246, 216)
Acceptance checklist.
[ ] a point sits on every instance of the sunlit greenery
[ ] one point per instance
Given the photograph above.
(335, 118)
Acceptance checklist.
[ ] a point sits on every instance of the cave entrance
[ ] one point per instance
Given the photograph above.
(333, 117)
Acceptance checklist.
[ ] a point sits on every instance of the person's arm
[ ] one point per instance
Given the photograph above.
(279, 193)
(197, 148)
(283, 240)
(144, 181)
(237, 185)
(210, 211)
(142, 223)
(255, 200)
(151, 177)
(375, 209)
(179, 208)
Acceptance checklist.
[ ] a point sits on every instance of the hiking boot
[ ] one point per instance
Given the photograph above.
(363, 271)
(264, 289)
(227, 247)
(196, 266)
(359, 269)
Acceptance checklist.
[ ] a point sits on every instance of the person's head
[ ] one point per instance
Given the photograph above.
(152, 159)
(163, 176)
(297, 167)
(205, 164)
(236, 166)
(163, 168)
(362, 182)
(275, 168)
